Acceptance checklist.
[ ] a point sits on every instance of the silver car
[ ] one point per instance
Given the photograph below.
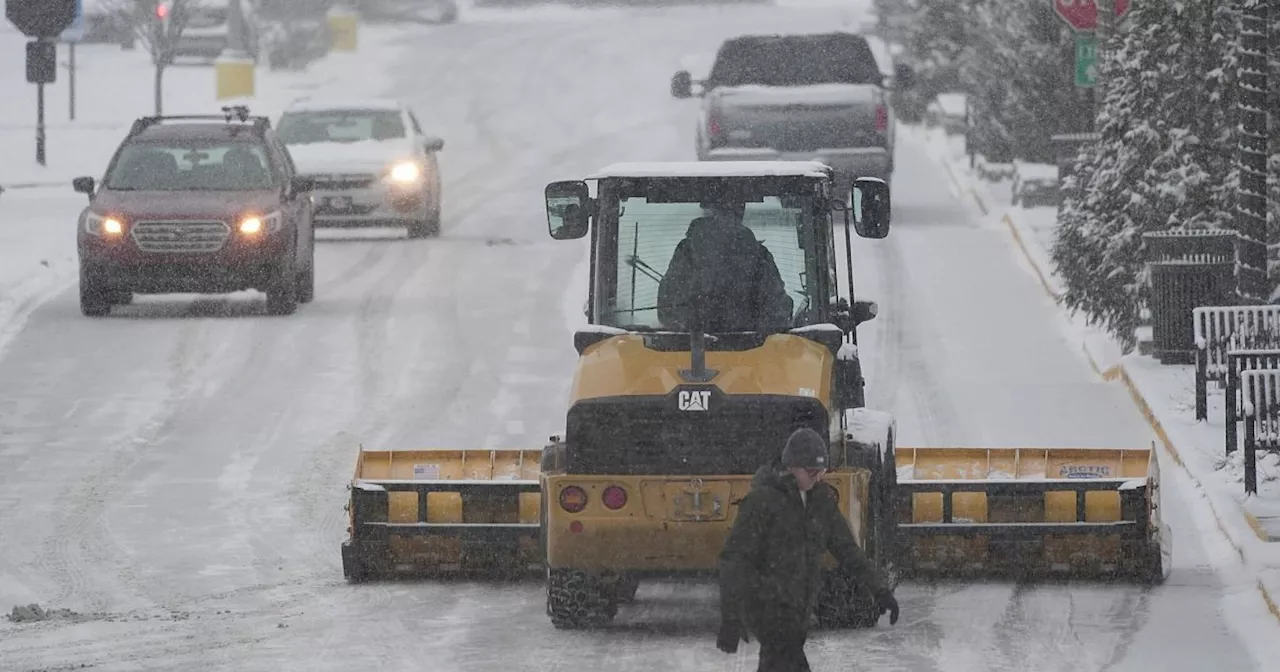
(370, 161)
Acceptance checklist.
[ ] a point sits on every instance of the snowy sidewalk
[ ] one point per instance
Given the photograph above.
(1164, 394)
(38, 208)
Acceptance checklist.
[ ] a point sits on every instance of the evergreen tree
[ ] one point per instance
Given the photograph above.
(1165, 158)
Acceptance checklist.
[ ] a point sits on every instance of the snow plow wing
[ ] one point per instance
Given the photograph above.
(443, 511)
(993, 511)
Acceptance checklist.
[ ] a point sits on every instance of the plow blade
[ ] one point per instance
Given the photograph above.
(444, 512)
(1082, 512)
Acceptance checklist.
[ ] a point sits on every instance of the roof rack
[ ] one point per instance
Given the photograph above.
(236, 116)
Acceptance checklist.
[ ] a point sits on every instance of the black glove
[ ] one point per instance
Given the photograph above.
(730, 633)
(886, 602)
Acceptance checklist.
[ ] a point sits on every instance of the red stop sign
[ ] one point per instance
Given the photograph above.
(1083, 14)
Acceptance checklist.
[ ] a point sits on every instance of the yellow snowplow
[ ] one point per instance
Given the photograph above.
(670, 416)
(1029, 511)
(443, 511)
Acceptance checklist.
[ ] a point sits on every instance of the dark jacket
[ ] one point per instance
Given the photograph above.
(771, 565)
(732, 273)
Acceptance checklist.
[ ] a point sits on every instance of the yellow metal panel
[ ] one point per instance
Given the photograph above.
(1028, 464)
(233, 77)
(1021, 463)
(344, 28)
(784, 365)
(651, 532)
(969, 507)
(926, 507)
(1060, 507)
(1102, 506)
(452, 464)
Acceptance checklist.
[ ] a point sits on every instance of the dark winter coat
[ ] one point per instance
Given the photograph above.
(771, 565)
(732, 273)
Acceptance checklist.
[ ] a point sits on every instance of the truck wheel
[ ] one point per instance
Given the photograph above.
(282, 296)
(307, 284)
(575, 601)
(94, 302)
(429, 225)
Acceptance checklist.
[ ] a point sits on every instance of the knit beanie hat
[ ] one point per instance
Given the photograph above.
(805, 449)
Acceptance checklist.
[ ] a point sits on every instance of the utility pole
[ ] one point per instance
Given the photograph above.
(1251, 202)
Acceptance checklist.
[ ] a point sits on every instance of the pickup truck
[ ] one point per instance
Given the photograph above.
(820, 97)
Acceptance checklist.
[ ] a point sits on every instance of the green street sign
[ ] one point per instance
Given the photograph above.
(1086, 60)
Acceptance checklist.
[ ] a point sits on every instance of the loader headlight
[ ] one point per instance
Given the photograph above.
(106, 227)
(405, 172)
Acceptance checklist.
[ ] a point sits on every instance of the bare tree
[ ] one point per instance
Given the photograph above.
(158, 24)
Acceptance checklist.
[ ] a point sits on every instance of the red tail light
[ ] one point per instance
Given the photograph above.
(714, 128)
(614, 497)
(573, 499)
(882, 118)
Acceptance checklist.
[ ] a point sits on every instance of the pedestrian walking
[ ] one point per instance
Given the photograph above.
(771, 565)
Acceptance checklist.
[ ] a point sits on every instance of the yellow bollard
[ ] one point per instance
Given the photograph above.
(234, 76)
(344, 26)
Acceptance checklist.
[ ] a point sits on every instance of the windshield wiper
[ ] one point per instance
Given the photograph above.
(639, 264)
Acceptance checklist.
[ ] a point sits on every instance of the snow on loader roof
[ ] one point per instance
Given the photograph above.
(713, 169)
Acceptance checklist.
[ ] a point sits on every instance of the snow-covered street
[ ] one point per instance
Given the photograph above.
(174, 475)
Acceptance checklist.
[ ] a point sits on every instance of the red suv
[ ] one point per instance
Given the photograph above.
(197, 204)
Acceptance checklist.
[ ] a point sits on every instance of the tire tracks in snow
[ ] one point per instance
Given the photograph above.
(78, 548)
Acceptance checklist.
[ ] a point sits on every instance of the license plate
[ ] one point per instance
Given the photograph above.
(697, 501)
(337, 203)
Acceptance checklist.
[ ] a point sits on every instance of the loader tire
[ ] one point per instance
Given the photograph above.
(842, 605)
(627, 589)
(576, 601)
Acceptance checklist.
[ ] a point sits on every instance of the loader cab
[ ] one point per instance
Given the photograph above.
(641, 215)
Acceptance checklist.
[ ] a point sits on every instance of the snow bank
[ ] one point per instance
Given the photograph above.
(1164, 394)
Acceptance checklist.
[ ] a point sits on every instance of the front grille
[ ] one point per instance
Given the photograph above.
(181, 236)
(353, 211)
(650, 435)
(343, 182)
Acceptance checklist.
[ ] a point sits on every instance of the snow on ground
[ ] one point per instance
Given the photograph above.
(175, 474)
(38, 209)
(1249, 522)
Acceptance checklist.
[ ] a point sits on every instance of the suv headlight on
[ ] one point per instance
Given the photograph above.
(258, 225)
(103, 226)
(405, 172)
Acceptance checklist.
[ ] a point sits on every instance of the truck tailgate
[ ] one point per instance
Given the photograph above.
(800, 118)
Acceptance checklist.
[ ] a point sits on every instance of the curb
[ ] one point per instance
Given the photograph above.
(1040, 274)
(1120, 372)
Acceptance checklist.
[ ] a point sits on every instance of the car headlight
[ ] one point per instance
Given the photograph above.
(103, 226)
(405, 172)
(256, 225)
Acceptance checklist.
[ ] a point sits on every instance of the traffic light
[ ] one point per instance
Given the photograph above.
(162, 11)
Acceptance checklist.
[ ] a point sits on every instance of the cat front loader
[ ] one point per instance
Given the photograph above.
(665, 428)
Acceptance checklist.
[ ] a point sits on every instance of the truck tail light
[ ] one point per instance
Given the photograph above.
(714, 122)
(573, 499)
(614, 497)
(882, 117)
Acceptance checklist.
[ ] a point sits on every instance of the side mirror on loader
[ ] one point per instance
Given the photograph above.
(568, 209)
(870, 207)
(848, 319)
